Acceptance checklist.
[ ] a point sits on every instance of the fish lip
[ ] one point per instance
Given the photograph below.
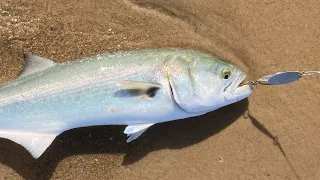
(235, 89)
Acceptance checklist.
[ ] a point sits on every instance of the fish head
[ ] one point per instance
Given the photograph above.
(208, 83)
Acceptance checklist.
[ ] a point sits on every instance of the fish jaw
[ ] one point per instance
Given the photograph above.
(234, 92)
(242, 92)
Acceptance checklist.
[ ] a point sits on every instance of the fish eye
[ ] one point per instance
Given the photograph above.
(226, 73)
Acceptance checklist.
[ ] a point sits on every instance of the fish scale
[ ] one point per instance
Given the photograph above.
(137, 88)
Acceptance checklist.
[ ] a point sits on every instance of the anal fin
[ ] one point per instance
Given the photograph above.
(35, 143)
(135, 130)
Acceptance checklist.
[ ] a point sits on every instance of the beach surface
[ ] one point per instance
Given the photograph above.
(279, 140)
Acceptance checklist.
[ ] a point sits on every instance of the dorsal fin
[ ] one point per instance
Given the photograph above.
(34, 63)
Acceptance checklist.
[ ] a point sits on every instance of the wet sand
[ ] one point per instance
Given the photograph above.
(260, 36)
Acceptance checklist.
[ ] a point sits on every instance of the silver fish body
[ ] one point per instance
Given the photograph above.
(135, 88)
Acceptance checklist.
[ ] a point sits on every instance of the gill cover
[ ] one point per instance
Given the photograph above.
(184, 88)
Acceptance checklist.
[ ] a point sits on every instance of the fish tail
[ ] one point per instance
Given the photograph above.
(35, 143)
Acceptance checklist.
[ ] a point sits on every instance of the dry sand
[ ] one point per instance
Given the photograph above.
(261, 36)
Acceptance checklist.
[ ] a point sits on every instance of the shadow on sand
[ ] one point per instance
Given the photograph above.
(275, 139)
(92, 140)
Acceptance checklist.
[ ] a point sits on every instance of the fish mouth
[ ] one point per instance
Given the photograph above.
(235, 92)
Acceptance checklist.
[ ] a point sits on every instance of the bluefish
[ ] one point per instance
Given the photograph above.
(137, 88)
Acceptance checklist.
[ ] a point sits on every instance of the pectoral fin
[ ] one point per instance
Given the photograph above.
(135, 130)
(35, 143)
(137, 88)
